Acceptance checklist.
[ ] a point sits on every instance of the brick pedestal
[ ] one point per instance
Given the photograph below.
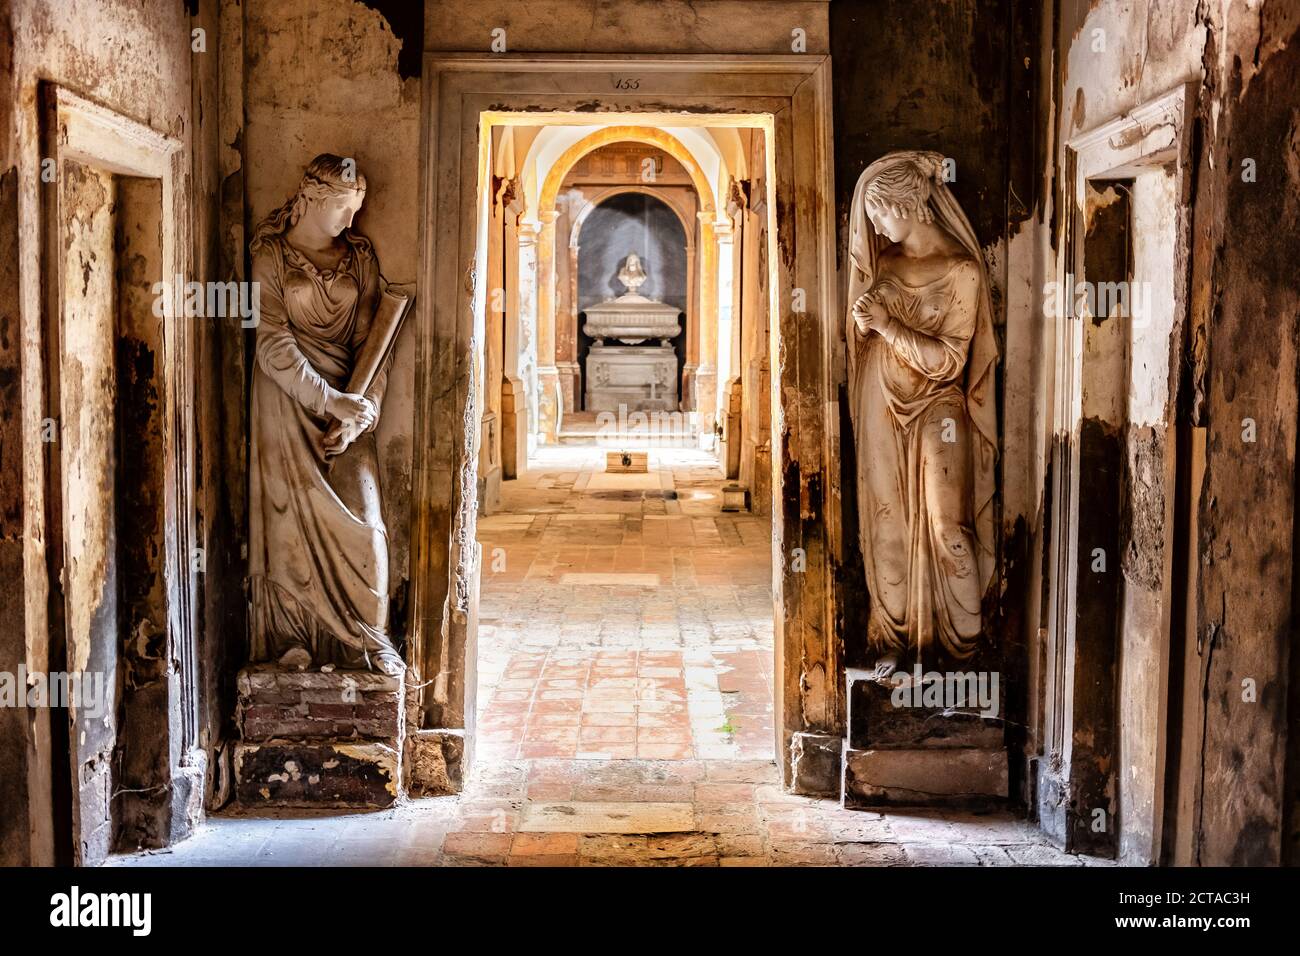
(914, 748)
(312, 739)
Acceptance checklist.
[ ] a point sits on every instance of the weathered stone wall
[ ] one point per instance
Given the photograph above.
(148, 74)
(1245, 310)
(1214, 788)
(625, 26)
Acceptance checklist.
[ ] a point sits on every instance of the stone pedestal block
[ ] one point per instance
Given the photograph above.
(949, 776)
(734, 497)
(924, 738)
(815, 764)
(311, 705)
(435, 762)
(318, 739)
(627, 462)
(642, 377)
(300, 773)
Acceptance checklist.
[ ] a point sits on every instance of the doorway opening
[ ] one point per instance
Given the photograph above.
(119, 666)
(664, 102)
(625, 608)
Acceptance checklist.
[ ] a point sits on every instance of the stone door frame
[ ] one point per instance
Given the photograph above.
(460, 92)
(1081, 674)
(77, 129)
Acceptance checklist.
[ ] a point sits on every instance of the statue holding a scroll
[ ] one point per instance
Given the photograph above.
(921, 395)
(318, 560)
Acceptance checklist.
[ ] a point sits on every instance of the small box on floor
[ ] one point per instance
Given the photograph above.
(627, 462)
(734, 497)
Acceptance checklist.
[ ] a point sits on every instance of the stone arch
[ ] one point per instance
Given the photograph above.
(702, 311)
(649, 135)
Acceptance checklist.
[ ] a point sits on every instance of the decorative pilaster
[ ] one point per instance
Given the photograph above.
(548, 405)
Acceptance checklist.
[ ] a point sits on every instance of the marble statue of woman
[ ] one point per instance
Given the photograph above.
(921, 392)
(318, 558)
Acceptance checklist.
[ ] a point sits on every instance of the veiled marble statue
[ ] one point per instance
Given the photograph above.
(921, 391)
(318, 558)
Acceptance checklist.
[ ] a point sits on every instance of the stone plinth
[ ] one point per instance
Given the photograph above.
(318, 739)
(642, 377)
(436, 763)
(949, 776)
(933, 740)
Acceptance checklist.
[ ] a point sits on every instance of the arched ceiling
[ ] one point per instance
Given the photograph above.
(553, 142)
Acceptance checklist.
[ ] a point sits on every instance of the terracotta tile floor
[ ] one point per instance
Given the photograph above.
(622, 724)
(624, 616)
(616, 813)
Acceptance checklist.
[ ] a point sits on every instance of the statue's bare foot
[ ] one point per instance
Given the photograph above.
(295, 659)
(885, 667)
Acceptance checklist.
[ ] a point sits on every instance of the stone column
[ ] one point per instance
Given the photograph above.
(489, 458)
(514, 415)
(566, 346)
(706, 374)
(687, 395)
(527, 358)
(548, 376)
(730, 398)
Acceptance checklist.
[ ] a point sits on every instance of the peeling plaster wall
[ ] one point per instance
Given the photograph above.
(1104, 59)
(134, 58)
(1246, 301)
(323, 76)
(624, 26)
(1205, 363)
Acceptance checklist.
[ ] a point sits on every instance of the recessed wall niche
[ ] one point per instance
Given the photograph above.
(625, 224)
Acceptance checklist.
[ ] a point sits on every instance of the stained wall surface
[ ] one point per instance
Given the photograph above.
(150, 73)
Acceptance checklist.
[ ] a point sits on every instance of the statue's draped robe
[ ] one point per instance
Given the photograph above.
(914, 441)
(318, 546)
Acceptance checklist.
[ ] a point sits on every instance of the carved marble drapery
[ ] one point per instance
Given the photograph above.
(318, 558)
(921, 395)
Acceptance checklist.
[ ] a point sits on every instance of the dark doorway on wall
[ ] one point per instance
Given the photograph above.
(109, 661)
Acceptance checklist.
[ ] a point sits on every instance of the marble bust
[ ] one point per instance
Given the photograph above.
(632, 275)
(921, 391)
(318, 561)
